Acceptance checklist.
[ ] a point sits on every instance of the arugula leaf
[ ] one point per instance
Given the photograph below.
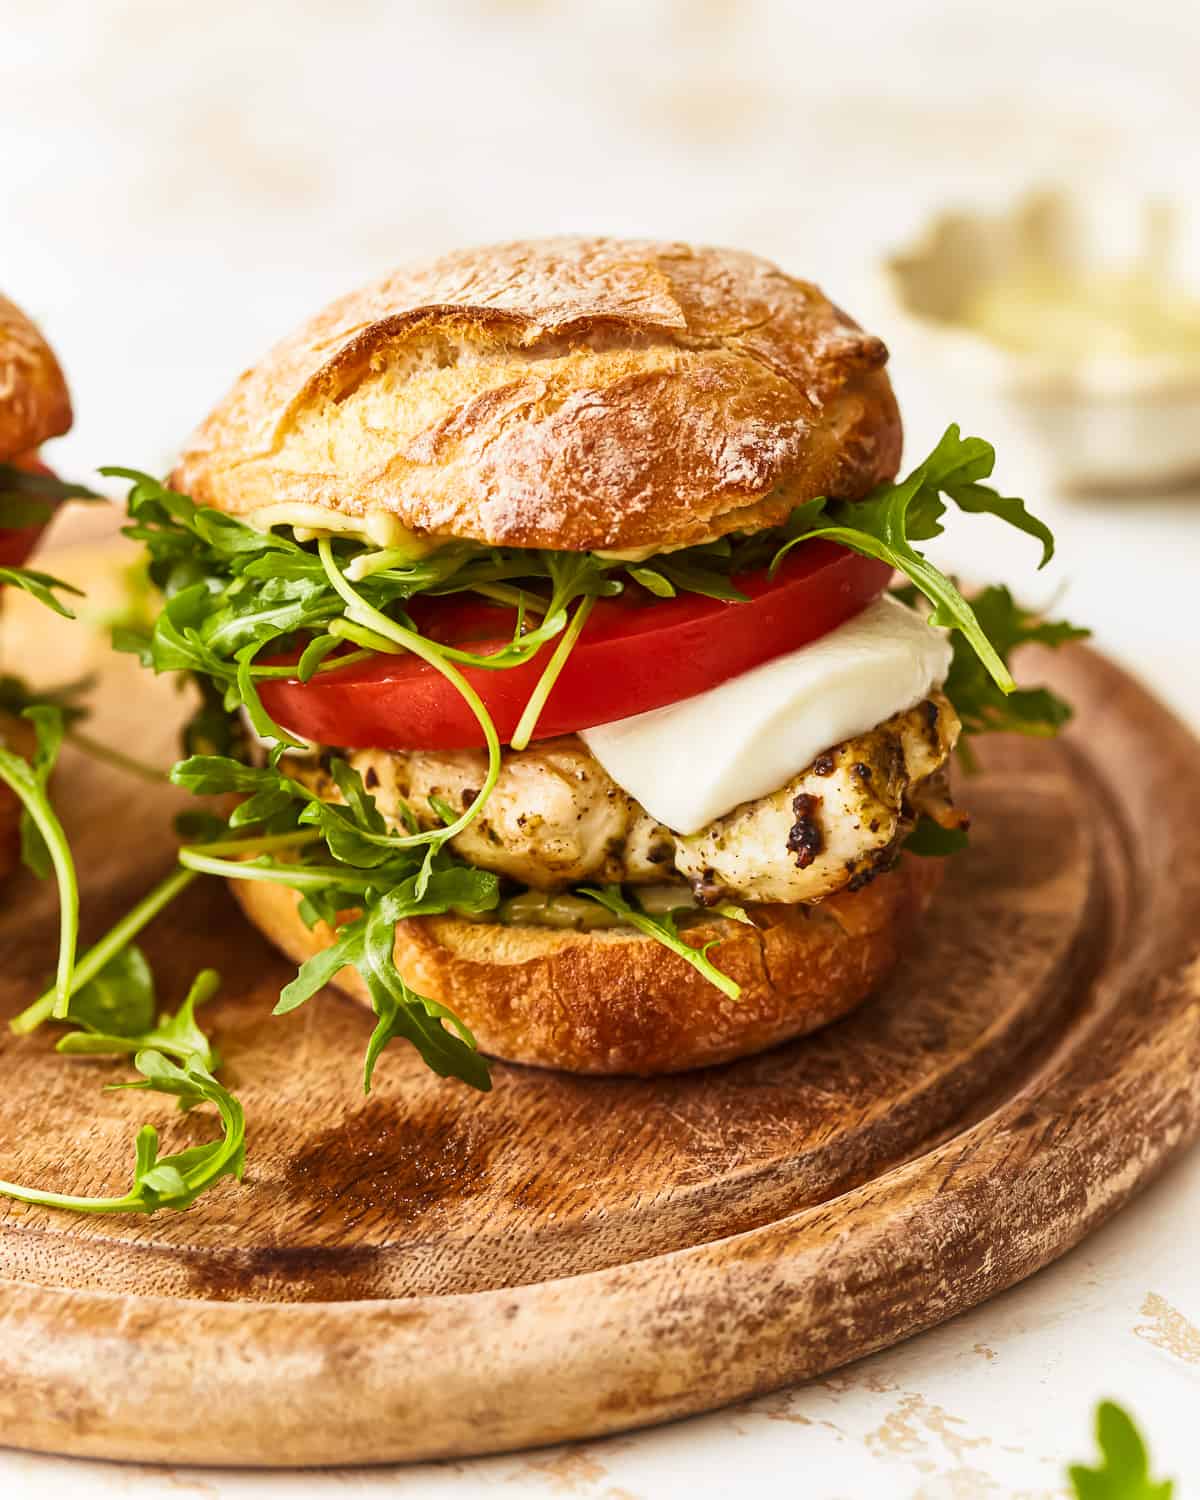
(119, 1000)
(16, 696)
(688, 576)
(20, 511)
(15, 482)
(981, 705)
(653, 581)
(179, 1036)
(44, 845)
(1124, 1471)
(164, 1181)
(367, 944)
(664, 930)
(42, 586)
(49, 724)
(931, 839)
(885, 524)
(444, 1042)
(27, 498)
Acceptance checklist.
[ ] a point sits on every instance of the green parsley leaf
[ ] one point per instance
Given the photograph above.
(1124, 1471)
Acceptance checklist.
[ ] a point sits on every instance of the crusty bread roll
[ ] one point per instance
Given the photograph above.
(616, 1002)
(34, 403)
(571, 393)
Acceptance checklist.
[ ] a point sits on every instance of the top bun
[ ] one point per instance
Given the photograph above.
(570, 393)
(34, 402)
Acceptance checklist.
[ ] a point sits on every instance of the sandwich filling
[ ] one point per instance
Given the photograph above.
(732, 799)
(577, 739)
(556, 819)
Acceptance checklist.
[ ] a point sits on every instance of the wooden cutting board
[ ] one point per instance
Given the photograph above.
(430, 1272)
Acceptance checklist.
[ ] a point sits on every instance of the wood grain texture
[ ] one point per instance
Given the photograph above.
(429, 1272)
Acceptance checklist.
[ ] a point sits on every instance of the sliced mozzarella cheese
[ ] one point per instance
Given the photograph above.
(693, 761)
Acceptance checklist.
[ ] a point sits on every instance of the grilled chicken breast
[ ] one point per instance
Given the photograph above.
(557, 819)
(836, 824)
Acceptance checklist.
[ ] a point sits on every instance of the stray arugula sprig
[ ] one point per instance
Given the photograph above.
(109, 995)
(164, 1181)
(115, 1014)
(664, 929)
(27, 499)
(121, 998)
(44, 587)
(981, 705)
(1124, 1471)
(46, 849)
(44, 845)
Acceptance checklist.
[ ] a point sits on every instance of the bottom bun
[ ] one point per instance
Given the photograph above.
(614, 1001)
(17, 735)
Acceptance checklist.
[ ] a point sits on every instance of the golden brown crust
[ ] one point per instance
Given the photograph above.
(612, 1002)
(572, 393)
(34, 402)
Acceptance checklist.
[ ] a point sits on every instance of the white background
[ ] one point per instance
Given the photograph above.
(183, 183)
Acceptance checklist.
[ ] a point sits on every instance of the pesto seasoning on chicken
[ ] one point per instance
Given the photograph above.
(570, 661)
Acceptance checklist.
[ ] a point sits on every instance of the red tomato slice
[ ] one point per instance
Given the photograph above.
(635, 653)
(17, 543)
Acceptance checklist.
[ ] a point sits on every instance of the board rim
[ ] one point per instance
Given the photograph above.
(154, 1378)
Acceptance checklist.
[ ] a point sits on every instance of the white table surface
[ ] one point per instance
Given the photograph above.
(182, 184)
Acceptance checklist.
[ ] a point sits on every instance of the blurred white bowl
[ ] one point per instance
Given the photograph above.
(1081, 314)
